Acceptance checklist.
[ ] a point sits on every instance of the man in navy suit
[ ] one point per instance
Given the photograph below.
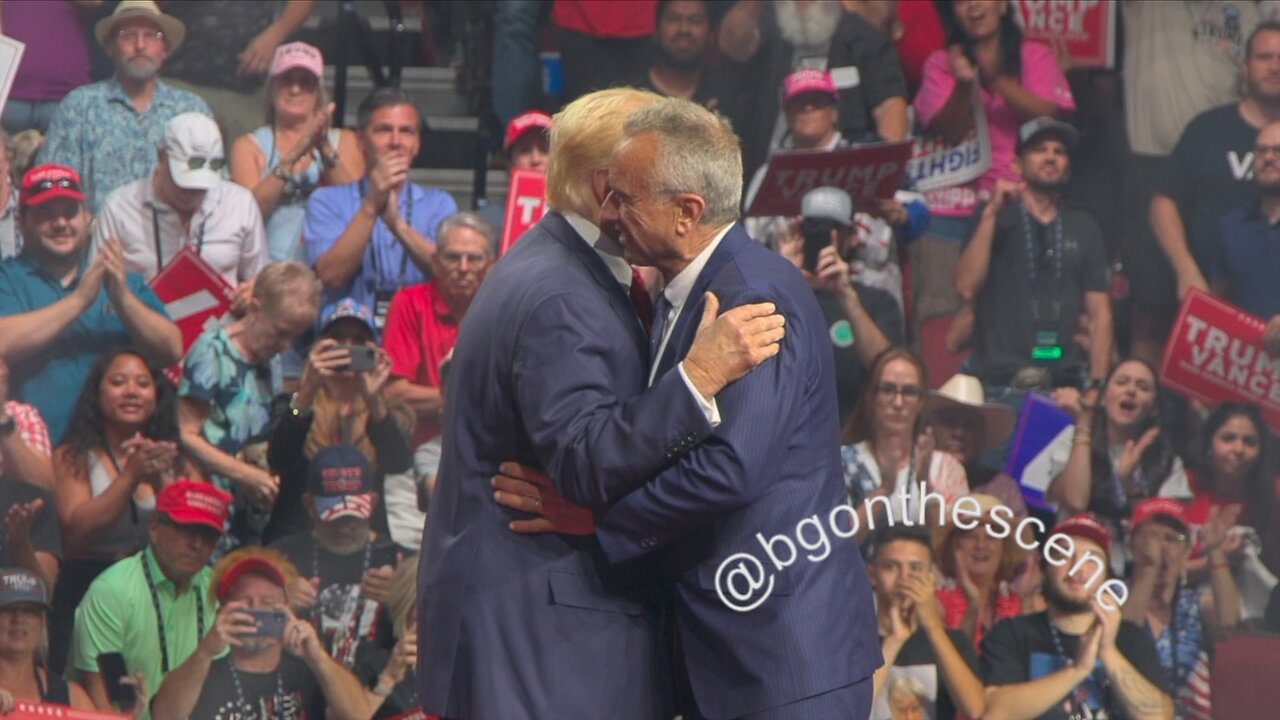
(757, 505)
(549, 371)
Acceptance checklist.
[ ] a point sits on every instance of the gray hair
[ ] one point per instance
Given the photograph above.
(698, 153)
(470, 220)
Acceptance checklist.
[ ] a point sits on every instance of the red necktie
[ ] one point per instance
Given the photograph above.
(641, 301)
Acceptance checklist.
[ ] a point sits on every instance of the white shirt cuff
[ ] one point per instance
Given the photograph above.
(708, 407)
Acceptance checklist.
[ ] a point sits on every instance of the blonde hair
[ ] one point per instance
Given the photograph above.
(582, 139)
(269, 556)
(286, 281)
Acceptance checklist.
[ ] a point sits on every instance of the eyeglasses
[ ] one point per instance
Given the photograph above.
(133, 36)
(197, 162)
(887, 391)
(452, 258)
(1260, 150)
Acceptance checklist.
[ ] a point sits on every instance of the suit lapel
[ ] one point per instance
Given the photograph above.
(559, 228)
(687, 323)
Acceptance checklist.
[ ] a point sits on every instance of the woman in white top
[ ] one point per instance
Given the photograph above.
(890, 464)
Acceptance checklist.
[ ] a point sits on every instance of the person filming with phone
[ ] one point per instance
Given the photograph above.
(341, 399)
(276, 666)
(863, 321)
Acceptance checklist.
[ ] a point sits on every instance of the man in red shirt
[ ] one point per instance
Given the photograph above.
(422, 324)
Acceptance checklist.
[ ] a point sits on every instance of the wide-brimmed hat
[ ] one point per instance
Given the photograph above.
(173, 29)
(1013, 553)
(966, 391)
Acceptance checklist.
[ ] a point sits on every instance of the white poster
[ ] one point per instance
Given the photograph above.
(10, 56)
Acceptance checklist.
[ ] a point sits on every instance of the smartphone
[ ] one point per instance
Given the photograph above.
(271, 623)
(363, 358)
(817, 235)
(113, 670)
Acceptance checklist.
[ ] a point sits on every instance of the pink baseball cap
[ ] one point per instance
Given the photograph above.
(809, 80)
(521, 124)
(297, 55)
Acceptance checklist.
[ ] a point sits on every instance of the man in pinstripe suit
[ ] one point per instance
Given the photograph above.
(805, 645)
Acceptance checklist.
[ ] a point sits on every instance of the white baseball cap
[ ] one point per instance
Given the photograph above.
(828, 203)
(194, 145)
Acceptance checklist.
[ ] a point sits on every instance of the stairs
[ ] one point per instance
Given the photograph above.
(450, 146)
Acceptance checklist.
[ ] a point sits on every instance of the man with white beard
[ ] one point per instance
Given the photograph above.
(109, 130)
(769, 45)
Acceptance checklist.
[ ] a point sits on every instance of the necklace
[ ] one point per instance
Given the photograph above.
(245, 709)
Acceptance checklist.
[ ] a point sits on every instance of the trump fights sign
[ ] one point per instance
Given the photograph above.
(866, 172)
(1086, 27)
(526, 204)
(1215, 354)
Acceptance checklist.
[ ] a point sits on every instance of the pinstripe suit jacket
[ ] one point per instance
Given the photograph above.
(773, 462)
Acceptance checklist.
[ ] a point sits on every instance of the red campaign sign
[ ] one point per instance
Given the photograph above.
(25, 710)
(526, 204)
(1215, 355)
(193, 294)
(1087, 26)
(866, 172)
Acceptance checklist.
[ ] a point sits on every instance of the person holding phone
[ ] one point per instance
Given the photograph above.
(258, 660)
(341, 399)
(24, 607)
(863, 321)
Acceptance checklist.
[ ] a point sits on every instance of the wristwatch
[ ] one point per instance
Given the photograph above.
(1093, 383)
(281, 173)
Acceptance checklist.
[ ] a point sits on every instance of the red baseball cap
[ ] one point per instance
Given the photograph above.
(809, 80)
(521, 124)
(252, 565)
(1084, 525)
(46, 182)
(194, 502)
(1159, 507)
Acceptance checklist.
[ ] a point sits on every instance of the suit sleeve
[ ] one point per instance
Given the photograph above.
(596, 447)
(733, 468)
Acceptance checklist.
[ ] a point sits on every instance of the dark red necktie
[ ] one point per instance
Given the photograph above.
(641, 301)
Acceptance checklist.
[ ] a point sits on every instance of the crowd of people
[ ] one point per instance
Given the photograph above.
(226, 524)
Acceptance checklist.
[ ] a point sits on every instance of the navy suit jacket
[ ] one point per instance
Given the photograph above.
(771, 468)
(547, 371)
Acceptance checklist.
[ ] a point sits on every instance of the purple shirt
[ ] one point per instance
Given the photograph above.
(45, 24)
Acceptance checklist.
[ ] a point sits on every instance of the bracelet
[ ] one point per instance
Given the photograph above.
(295, 409)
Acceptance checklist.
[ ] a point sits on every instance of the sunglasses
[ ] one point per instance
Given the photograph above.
(47, 185)
(197, 162)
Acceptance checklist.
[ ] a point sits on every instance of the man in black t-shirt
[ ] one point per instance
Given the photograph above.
(345, 571)
(681, 42)
(30, 537)
(1209, 173)
(1031, 267)
(921, 657)
(276, 667)
(1077, 660)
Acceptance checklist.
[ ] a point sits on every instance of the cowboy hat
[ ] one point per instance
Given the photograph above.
(173, 29)
(1013, 553)
(965, 391)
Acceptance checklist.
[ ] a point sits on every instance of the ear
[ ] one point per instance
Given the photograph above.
(600, 185)
(689, 210)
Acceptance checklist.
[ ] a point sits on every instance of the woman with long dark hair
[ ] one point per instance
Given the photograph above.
(120, 449)
(885, 451)
(1233, 467)
(1117, 455)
